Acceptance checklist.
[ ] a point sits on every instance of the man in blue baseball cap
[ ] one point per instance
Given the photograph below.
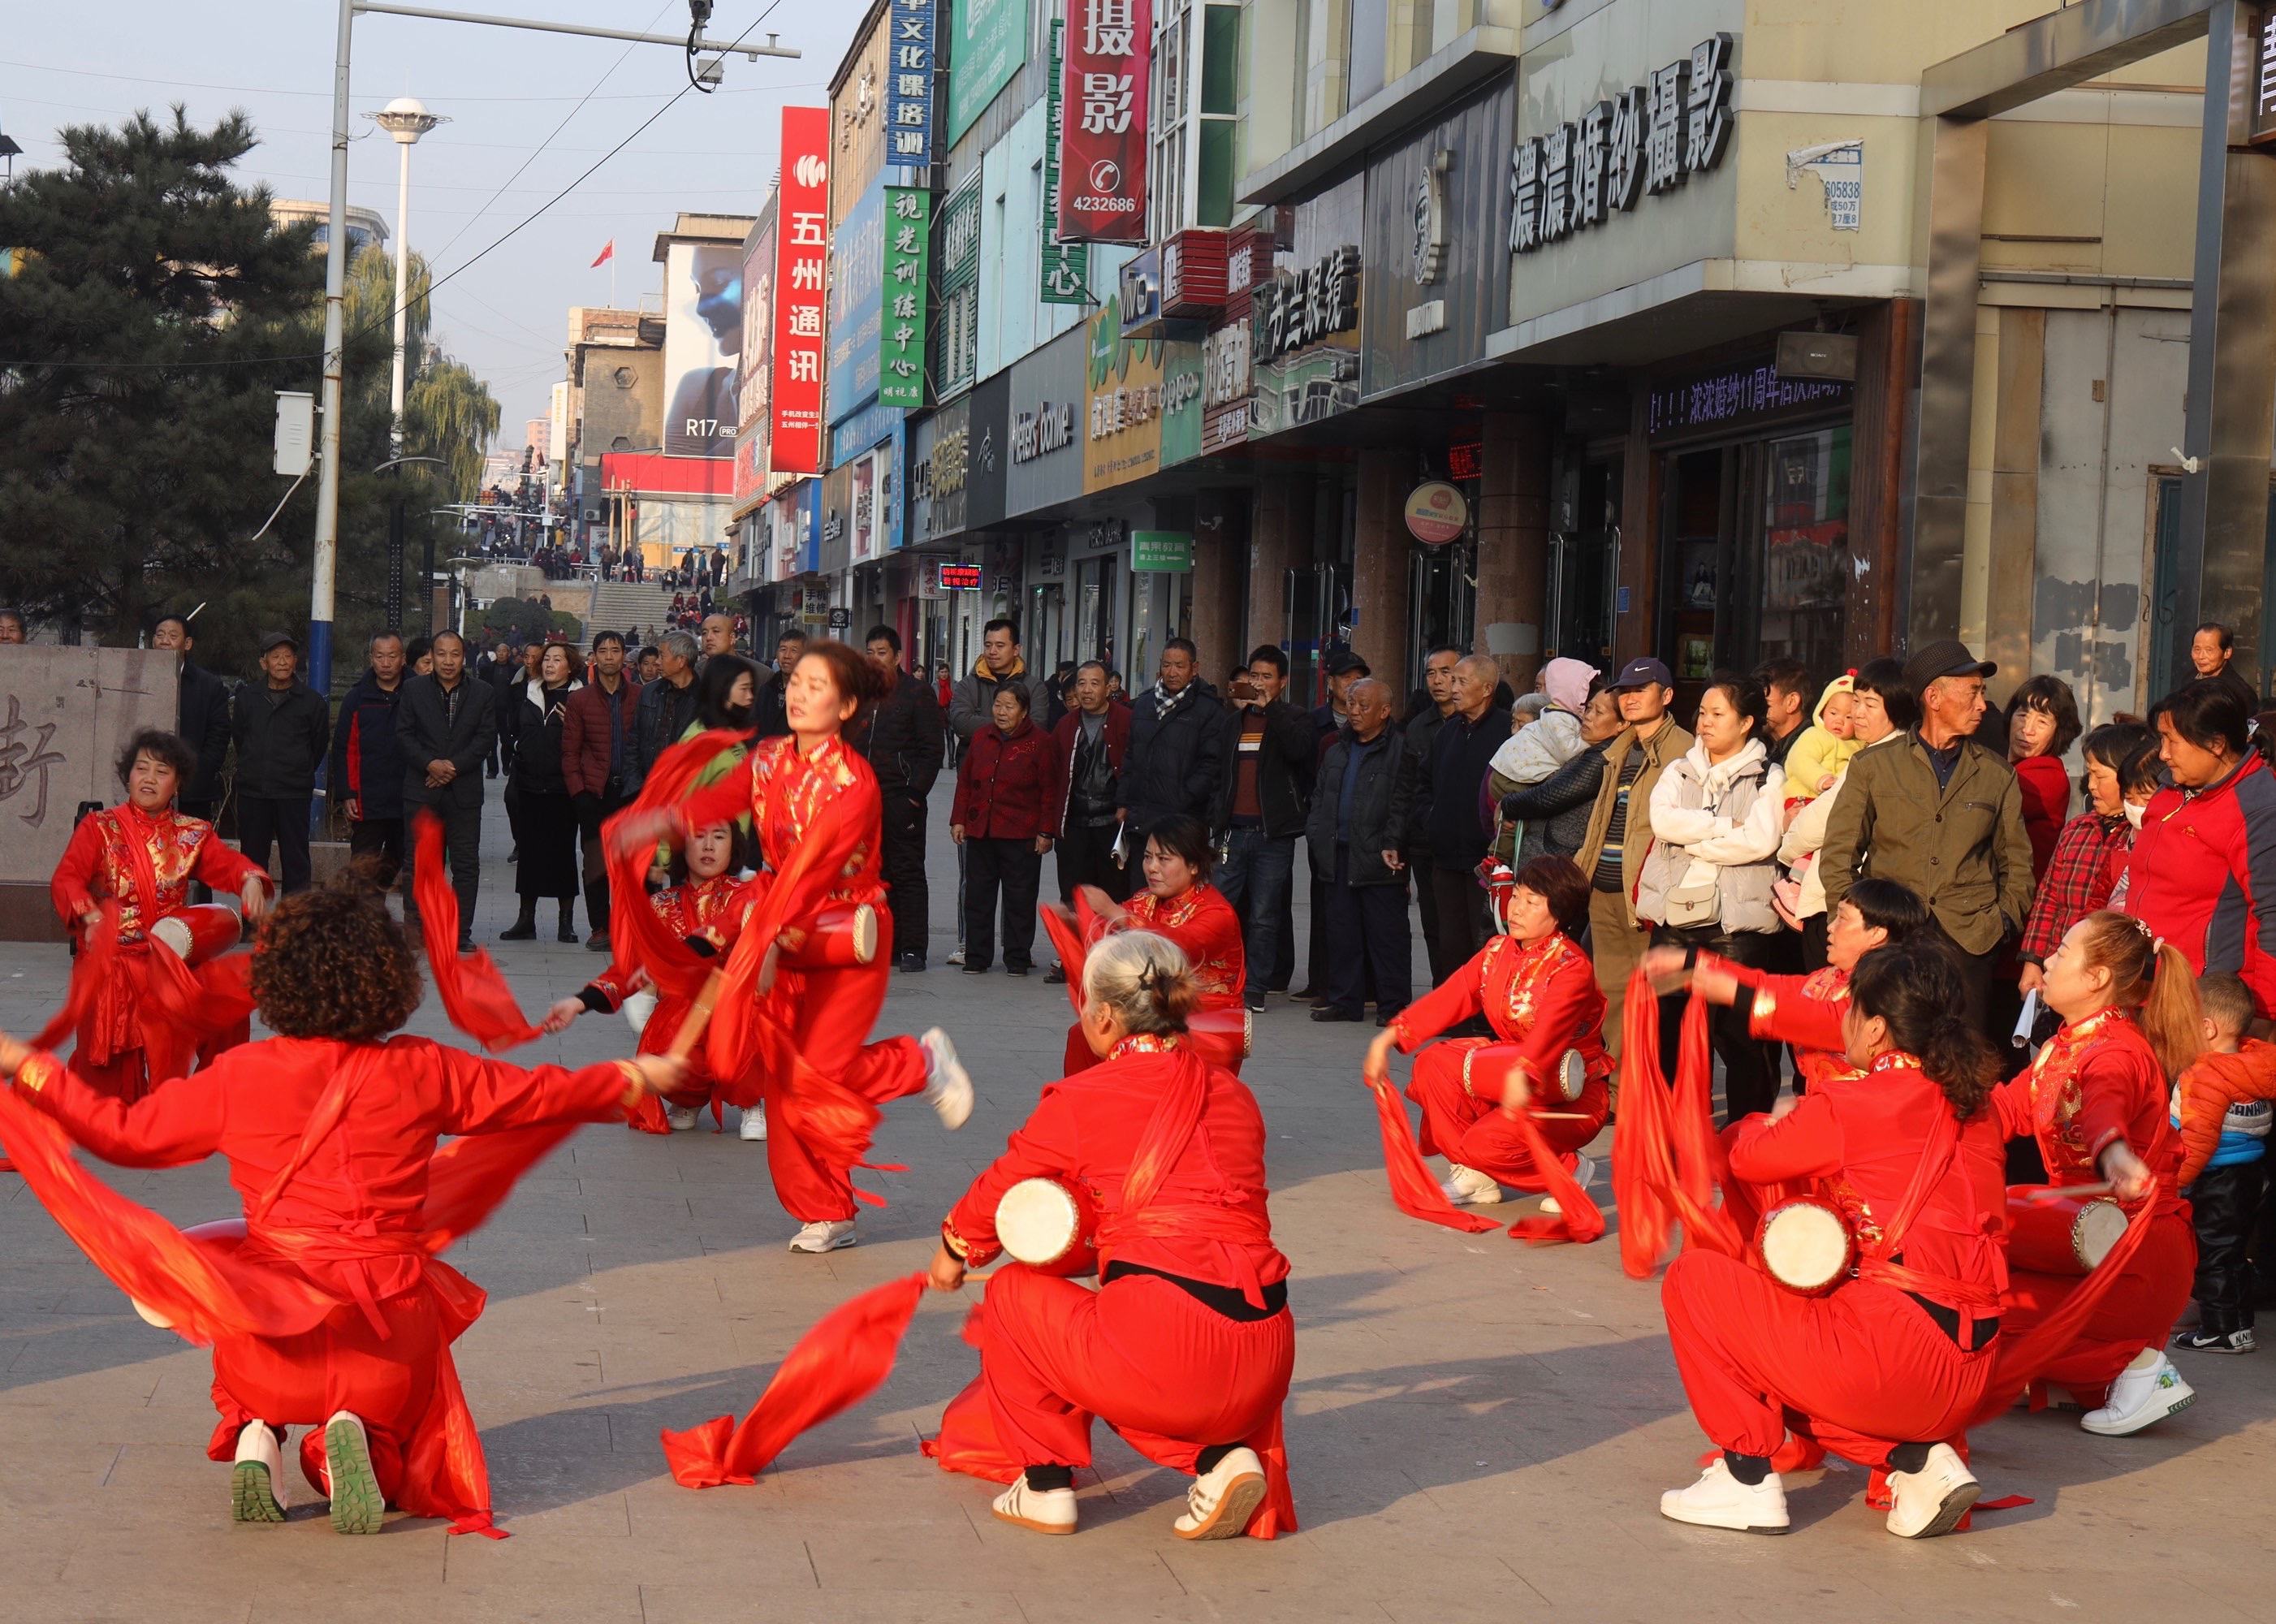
(1619, 828)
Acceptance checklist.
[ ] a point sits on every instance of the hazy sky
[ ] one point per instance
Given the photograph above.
(504, 90)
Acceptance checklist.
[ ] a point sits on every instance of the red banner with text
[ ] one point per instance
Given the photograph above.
(1103, 121)
(801, 280)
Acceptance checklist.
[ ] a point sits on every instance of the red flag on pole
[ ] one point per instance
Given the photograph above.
(608, 252)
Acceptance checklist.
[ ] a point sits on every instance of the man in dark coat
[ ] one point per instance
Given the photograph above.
(599, 727)
(202, 708)
(446, 726)
(1091, 741)
(666, 707)
(1447, 809)
(366, 773)
(770, 717)
(1360, 809)
(1176, 759)
(1271, 750)
(281, 727)
(902, 738)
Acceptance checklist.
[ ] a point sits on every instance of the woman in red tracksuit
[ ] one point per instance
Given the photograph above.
(814, 806)
(142, 855)
(2096, 1098)
(1897, 1358)
(330, 1308)
(1538, 991)
(1186, 1347)
(1009, 779)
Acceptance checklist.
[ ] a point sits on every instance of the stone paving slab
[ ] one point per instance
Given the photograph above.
(1478, 1430)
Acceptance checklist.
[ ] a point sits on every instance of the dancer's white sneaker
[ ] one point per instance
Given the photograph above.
(947, 1084)
(2146, 1393)
(1223, 1498)
(1469, 1187)
(754, 1122)
(1932, 1500)
(824, 1235)
(358, 1506)
(1583, 1170)
(256, 1482)
(1041, 1511)
(1719, 1500)
(682, 1118)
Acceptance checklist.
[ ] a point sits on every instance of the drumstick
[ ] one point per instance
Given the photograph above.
(2060, 1191)
(1561, 1116)
(691, 1030)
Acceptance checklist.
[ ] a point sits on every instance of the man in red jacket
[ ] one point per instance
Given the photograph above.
(596, 739)
(1089, 743)
(1009, 782)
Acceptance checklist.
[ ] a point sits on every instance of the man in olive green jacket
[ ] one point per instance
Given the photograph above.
(1619, 827)
(1939, 811)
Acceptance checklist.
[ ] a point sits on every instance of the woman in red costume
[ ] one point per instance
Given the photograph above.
(330, 1128)
(2095, 1100)
(818, 817)
(142, 855)
(1538, 990)
(1897, 1357)
(1186, 1347)
(704, 908)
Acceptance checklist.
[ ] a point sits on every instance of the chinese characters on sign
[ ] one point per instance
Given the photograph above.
(2262, 124)
(24, 763)
(1101, 159)
(1650, 138)
(1067, 265)
(901, 347)
(908, 84)
(802, 251)
(1293, 310)
(1735, 394)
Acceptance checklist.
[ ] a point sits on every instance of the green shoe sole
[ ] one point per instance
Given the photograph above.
(357, 1505)
(252, 1498)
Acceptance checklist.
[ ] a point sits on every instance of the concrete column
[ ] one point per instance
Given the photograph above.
(1218, 567)
(1271, 535)
(1514, 543)
(1379, 568)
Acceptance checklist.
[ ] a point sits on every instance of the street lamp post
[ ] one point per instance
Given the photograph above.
(406, 119)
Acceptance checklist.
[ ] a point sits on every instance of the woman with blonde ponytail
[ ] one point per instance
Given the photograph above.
(2095, 1100)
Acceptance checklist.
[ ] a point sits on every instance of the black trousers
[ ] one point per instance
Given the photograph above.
(284, 822)
(382, 836)
(1750, 1071)
(1016, 869)
(901, 853)
(1086, 857)
(592, 810)
(1461, 926)
(462, 849)
(1368, 940)
(2225, 1204)
(203, 811)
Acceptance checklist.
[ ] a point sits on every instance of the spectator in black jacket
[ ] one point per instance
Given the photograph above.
(1261, 799)
(1176, 759)
(1447, 810)
(902, 737)
(367, 774)
(445, 725)
(772, 716)
(1360, 809)
(547, 835)
(666, 707)
(281, 727)
(202, 709)
(1426, 713)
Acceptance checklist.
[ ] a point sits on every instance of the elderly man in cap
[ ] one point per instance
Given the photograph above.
(1619, 828)
(282, 728)
(1939, 811)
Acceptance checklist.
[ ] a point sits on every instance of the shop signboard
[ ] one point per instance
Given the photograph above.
(990, 42)
(989, 456)
(1226, 372)
(1122, 402)
(1182, 401)
(857, 434)
(1102, 133)
(940, 453)
(1160, 551)
(902, 339)
(1437, 513)
(1067, 265)
(702, 336)
(1304, 341)
(1046, 445)
(908, 83)
(1740, 395)
(857, 266)
(836, 550)
(801, 261)
(757, 370)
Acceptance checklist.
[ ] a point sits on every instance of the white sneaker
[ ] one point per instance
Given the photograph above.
(637, 1008)
(824, 1235)
(682, 1118)
(1223, 1498)
(1469, 1187)
(754, 1122)
(2146, 1393)
(1583, 1170)
(256, 1482)
(1932, 1500)
(947, 1084)
(358, 1506)
(957, 957)
(1719, 1500)
(1041, 1511)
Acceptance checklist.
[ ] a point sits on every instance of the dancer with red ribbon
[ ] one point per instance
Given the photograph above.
(1186, 1347)
(327, 1306)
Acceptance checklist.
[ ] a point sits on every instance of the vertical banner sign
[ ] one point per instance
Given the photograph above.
(1067, 266)
(1103, 145)
(802, 251)
(901, 343)
(908, 84)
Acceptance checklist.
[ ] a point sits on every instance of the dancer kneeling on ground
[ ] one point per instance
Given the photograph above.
(330, 1127)
(1894, 1359)
(1185, 1349)
(1538, 991)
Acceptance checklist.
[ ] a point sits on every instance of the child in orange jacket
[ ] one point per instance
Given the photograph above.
(2222, 1109)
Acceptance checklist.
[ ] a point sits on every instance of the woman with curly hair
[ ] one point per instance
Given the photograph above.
(143, 855)
(327, 1306)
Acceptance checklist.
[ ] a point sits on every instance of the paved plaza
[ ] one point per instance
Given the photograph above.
(1477, 1431)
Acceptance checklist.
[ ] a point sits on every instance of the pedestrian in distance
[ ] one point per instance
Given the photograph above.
(1360, 805)
(1009, 780)
(367, 767)
(901, 739)
(445, 727)
(1272, 750)
(1091, 742)
(281, 729)
(597, 733)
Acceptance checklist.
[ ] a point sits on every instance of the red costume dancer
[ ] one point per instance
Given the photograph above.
(144, 854)
(1186, 1347)
(1538, 991)
(327, 1307)
(2096, 1099)
(1896, 1357)
(818, 818)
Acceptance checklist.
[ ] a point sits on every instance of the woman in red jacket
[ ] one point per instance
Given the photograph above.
(2042, 721)
(1538, 991)
(142, 855)
(1895, 1359)
(330, 1311)
(1006, 788)
(2095, 1100)
(1187, 1346)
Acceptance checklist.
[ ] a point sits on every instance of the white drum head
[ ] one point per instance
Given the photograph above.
(150, 1316)
(174, 932)
(2096, 1230)
(865, 934)
(1036, 1221)
(1571, 1075)
(1805, 1246)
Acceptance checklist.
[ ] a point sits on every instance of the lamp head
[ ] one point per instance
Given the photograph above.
(406, 118)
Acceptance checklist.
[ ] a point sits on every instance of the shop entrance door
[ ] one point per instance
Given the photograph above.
(1442, 604)
(1318, 621)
